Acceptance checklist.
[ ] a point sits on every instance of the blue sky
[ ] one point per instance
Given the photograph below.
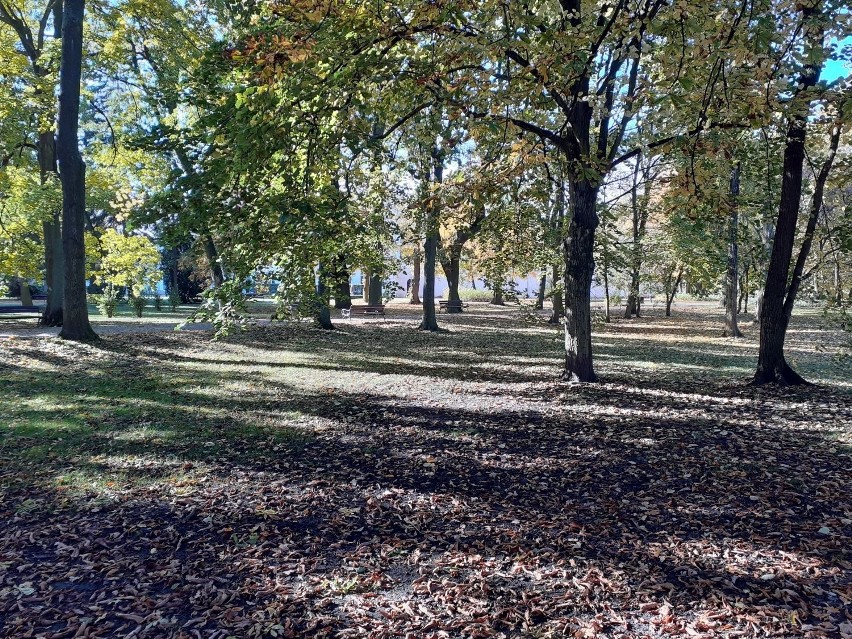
(835, 68)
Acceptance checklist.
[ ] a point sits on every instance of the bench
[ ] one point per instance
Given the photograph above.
(376, 309)
(447, 305)
(21, 310)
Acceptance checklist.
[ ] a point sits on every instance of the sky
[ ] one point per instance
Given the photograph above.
(835, 68)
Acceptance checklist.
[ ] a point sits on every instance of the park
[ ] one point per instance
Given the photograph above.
(425, 320)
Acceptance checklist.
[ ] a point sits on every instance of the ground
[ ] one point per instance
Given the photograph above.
(381, 482)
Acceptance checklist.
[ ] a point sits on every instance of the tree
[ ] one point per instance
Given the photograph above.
(774, 318)
(40, 81)
(132, 261)
(732, 271)
(75, 325)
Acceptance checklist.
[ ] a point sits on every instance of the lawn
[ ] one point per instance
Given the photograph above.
(381, 482)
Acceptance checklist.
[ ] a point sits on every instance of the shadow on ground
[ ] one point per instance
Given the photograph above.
(278, 484)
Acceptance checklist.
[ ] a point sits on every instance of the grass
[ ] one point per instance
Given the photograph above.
(353, 479)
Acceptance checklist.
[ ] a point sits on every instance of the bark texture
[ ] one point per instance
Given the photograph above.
(772, 367)
(75, 325)
(578, 248)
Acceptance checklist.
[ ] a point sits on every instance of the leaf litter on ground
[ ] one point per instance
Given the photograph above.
(381, 482)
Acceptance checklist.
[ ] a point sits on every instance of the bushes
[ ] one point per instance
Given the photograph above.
(474, 295)
(137, 302)
(174, 299)
(107, 301)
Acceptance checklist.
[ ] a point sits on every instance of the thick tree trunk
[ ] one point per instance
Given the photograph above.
(414, 294)
(54, 266)
(430, 251)
(323, 312)
(375, 293)
(732, 275)
(771, 363)
(26, 295)
(634, 306)
(75, 325)
(342, 295)
(497, 294)
(452, 271)
(578, 249)
(810, 228)
(542, 284)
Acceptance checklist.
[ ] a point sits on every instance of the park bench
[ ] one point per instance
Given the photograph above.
(18, 311)
(447, 305)
(376, 309)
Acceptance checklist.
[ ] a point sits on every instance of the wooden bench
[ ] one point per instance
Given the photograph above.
(446, 306)
(34, 311)
(376, 309)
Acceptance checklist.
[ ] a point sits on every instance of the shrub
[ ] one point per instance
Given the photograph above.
(138, 303)
(174, 299)
(158, 301)
(107, 301)
(474, 295)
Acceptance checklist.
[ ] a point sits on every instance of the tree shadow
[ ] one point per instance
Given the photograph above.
(391, 514)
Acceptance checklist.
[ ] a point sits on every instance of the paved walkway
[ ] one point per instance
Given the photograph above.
(19, 330)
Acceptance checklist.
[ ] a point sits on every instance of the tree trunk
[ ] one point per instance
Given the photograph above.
(414, 294)
(375, 292)
(217, 275)
(323, 312)
(732, 275)
(54, 275)
(558, 298)
(672, 290)
(452, 271)
(810, 227)
(430, 248)
(26, 296)
(838, 287)
(640, 219)
(771, 363)
(365, 285)
(606, 289)
(578, 249)
(342, 295)
(75, 325)
(497, 293)
(175, 274)
(542, 284)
